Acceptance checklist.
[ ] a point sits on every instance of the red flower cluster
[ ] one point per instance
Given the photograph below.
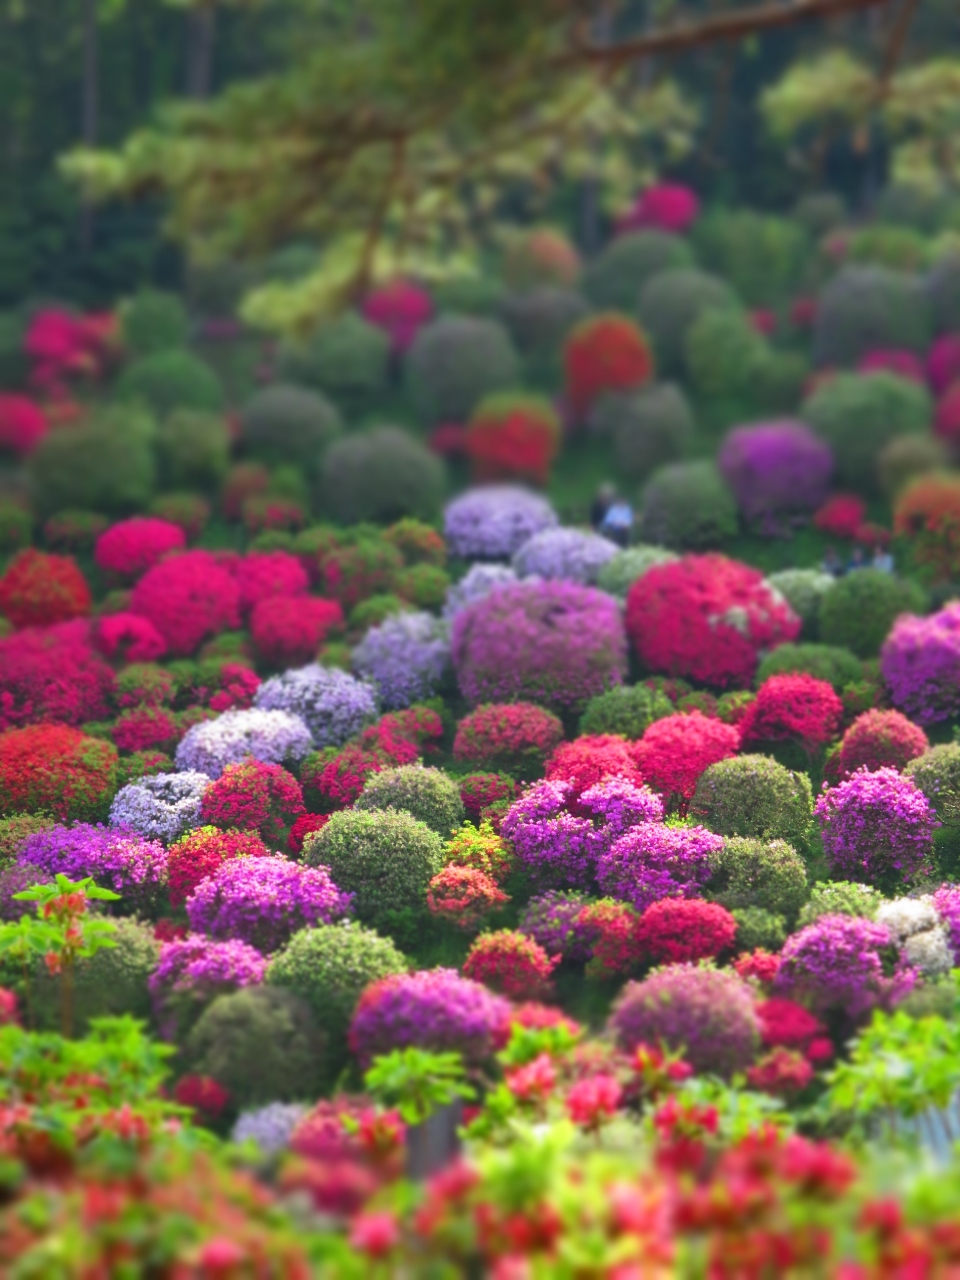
(878, 739)
(593, 1101)
(38, 589)
(463, 896)
(201, 852)
(780, 1072)
(305, 826)
(23, 424)
(785, 1024)
(62, 345)
(840, 516)
(675, 930)
(589, 759)
(52, 674)
(614, 947)
(54, 769)
(674, 751)
(128, 549)
(253, 796)
(707, 618)
(399, 738)
(481, 792)
(144, 727)
(515, 736)
(513, 437)
(208, 1100)
(288, 630)
(187, 598)
(793, 707)
(607, 352)
(760, 965)
(509, 962)
(126, 637)
(237, 686)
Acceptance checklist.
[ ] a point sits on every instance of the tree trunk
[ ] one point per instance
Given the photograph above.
(89, 107)
(203, 21)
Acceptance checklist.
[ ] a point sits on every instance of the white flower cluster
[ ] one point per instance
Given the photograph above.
(161, 807)
(918, 929)
(333, 705)
(273, 737)
(476, 584)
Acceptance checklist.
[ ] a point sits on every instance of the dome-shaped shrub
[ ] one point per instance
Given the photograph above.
(837, 964)
(152, 320)
(762, 255)
(926, 514)
(920, 661)
(332, 704)
(794, 707)
(23, 425)
(454, 362)
(863, 308)
(128, 549)
(67, 470)
(622, 570)
(261, 575)
(193, 449)
(52, 674)
(492, 523)
(687, 505)
(860, 608)
(769, 874)
(724, 354)
(903, 363)
(879, 740)
(670, 206)
(252, 796)
(509, 962)
(803, 590)
(276, 737)
(705, 1014)
(405, 658)
(943, 363)
(38, 590)
(752, 795)
(776, 470)
(674, 751)
(650, 862)
(589, 760)
(557, 643)
(289, 630)
(706, 617)
(625, 710)
(604, 353)
(615, 277)
(385, 858)
(670, 303)
(121, 861)
(347, 360)
(187, 598)
(540, 319)
(577, 555)
(540, 255)
(857, 414)
(54, 769)
(937, 773)
(876, 828)
(676, 930)
(367, 567)
(429, 795)
(168, 380)
(512, 437)
(381, 475)
(514, 737)
(285, 424)
(649, 428)
(162, 807)
(838, 667)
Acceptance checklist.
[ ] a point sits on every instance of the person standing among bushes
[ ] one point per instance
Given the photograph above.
(604, 499)
(617, 524)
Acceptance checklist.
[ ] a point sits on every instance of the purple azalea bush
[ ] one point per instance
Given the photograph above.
(575, 554)
(161, 807)
(776, 470)
(406, 658)
(837, 964)
(493, 522)
(434, 1009)
(877, 828)
(115, 858)
(557, 643)
(265, 901)
(14, 880)
(551, 921)
(194, 970)
(652, 861)
(476, 584)
(274, 737)
(333, 705)
(920, 662)
(946, 903)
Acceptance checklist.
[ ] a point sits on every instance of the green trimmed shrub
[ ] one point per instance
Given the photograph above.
(803, 590)
(649, 428)
(858, 413)
(614, 278)
(937, 774)
(860, 608)
(424, 585)
(687, 506)
(762, 255)
(884, 245)
(839, 667)
(14, 830)
(756, 873)
(623, 569)
(152, 321)
(193, 448)
(778, 383)
(754, 796)
(347, 360)
(262, 1044)
(943, 292)
(669, 305)
(540, 319)
(904, 458)
(429, 795)
(283, 424)
(381, 475)
(914, 206)
(869, 308)
(759, 928)
(723, 352)
(168, 380)
(105, 465)
(454, 362)
(386, 858)
(480, 295)
(372, 611)
(626, 709)
(16, 527)
(840, 898)
(820, 212)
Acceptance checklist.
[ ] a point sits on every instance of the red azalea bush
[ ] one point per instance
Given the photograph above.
(187, 598)
(141, 728)
(788, 1025)
(511, 963)
(591, 758)
(305, 826)
(674, 930)
(52, 768)
(674, 752)
(264, 575)
(205, 1097)
(52, 674)
(198, 854)
(236, 686)
(707, 618)
(38, 590)
(927, 512)
(611, 928)
(759, 965)
(23, 424)
(253, 796)
(668, 206)
(399, 308)
(126, 637)
(333, 780)
(367, 568)
(608, 352)
(946, 422)
(463, 896)
(288, 630)
(781, 1072)
(512, 437)
(516, 737)
(481, 792)
(841, 516)
(943, 363)
(128, 549)
(793, 707)
(880, 739)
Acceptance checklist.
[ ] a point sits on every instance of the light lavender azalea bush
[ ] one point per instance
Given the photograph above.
(274, 737)
(161, 807)
(476, 584)
(333, 705)
(406, 658)
(493, 522)
(576, 554)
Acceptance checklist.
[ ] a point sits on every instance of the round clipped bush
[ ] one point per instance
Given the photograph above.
(675, 930)
(511, 963)
(776, 470)
(168, 380)
(762, 255)
(153, 320)
(865, 308)
(252, 796)
(289, 630)
(381, 475)
(625, 710)
(405, 658)
(576, 555)
(332, 704)
(936, 773)
(860, 608)
(67, 470)
(128, 549)
(540, 319)
(705, 1014)
(365, 568)
(23, 425)
(793, 708)
(650, 862)
(649, 428)
(347, 360)
(161, 807)
(201, 852)
(429, 795)
(837, 666)
(512, 437)
(674, 751)
(687, 506)
(493, 522)
(920, 662)
(276, 737)
(724, 355)
(622, 570)
(836, 965)
(879, 740)
(289, 425)
(857, 414)
(262, 1044)
(187, 598)
(754, 796)
(39, 590)
(671, 302)
(454, 362)
(540, 255)
(750, 872)
(927, 515)
(615, 277)
(803, 590)
(54, 769)
(876, 828)
(513, 737)
(840, 898)
(385, 858)
(556, 643)
(708, 618)
(604, 353)
(52, 674)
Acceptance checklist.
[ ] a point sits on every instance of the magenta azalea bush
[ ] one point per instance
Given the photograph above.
(842, 963)
(920, 662)
(552, 920)
(117, 859)
(196, 969)
(776, 470)
(652, 861)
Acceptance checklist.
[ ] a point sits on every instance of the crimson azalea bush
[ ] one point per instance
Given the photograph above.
(141, 728)
(400, 309)
(608, 352)
(707, 618)
(253, 796)
(589, 759)
(288, 631)
(187, 598)
(487, 795)
(674, 751)
(333, 780)
(200, 853)
(128, 549)
(675, 930)
(264, 575)
(512, 437)
(126, 637)
(38, 590)
(56, 769)
(511, 963)
(52, 674)
(880, 739)
(305, 826)
(463, 896)
(514, 737)
(793, 707)
(23, 424)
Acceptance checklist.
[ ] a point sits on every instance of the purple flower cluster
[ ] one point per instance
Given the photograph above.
(920, 661)
(619, 805)
(264, 901)
(116, 859)
(551, 921)
(269, 1127)
(406, 657)
(493, 522)
(946, 903)
(775, 470)
(194, 970)
(333, 705)
(837, 963)
(575, 554)
(161, 807)
(652, 861)
(275, 737)
(557, 643)
(432, 1009)
(877, 828)
(476, 584)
